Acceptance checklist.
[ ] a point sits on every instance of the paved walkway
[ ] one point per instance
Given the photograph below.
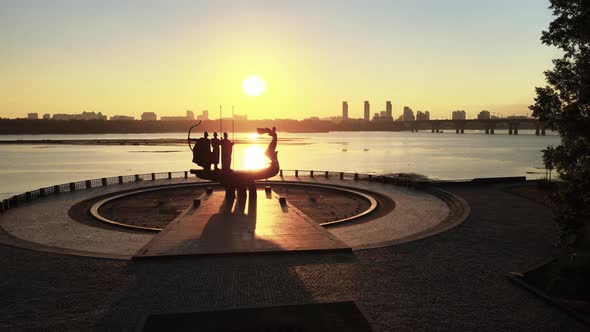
(46, 222)
(451, 281)
(415, 211)
(256, 224)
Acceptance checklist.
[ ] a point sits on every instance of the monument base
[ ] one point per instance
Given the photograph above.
(252, 224)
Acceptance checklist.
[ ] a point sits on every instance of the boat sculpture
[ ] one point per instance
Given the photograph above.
(232, 180)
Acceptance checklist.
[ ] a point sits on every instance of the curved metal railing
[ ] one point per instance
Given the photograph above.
(93, 183)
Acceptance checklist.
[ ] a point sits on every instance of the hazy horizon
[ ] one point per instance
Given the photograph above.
(125, 58)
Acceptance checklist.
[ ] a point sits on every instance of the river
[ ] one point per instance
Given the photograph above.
(25, 167)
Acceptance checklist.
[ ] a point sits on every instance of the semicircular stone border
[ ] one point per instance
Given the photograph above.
(459, 211)
(45, 225)
(418, 213)
(95, 209)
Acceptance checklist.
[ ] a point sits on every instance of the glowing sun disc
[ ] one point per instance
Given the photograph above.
(253, 157)
(253, 86)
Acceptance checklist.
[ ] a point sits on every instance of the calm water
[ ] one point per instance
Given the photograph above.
(440, 156)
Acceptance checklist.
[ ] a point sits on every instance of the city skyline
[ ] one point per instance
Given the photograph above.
(406, 115)
(64, 56)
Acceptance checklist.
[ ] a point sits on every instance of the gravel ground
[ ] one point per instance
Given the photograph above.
(452, 281)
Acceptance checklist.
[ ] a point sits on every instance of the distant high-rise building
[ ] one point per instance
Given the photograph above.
(383, 115)
(33, 116)
(204, 115)
(121, 118)
(388, 109)
(484, 115)
(62, 116)
(459, 115)
(190, 115)
(408, 114)
(240, 117)
(174, 118)
(82, 116)
(344, 110)
(422, 115)
(149, 116)
(367, 111)
(46, 116)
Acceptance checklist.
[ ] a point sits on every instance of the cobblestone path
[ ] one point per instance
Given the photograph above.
(452, 281)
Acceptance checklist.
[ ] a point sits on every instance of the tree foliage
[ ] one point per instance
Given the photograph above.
(564, 105)
(548, 161)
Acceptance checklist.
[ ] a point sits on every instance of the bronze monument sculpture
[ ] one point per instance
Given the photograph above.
(206, 153)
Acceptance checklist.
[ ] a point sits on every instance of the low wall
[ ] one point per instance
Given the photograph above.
(20, 199)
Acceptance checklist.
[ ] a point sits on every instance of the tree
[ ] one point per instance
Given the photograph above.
(548, 161)
(564, 105)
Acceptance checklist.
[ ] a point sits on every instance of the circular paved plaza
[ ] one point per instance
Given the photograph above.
(64, 223)
(418, 267)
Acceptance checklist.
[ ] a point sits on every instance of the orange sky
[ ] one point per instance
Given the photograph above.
(168, 57)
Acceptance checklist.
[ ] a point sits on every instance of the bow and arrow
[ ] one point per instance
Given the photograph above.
(188, 139)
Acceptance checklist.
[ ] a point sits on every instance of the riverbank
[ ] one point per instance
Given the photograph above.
(155, 141)
(25, 126)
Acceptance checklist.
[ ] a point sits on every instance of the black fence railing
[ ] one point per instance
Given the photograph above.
(19, 199)
(93, 183)
(389, 179)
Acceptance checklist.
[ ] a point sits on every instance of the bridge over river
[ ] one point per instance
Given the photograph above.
(489, 125)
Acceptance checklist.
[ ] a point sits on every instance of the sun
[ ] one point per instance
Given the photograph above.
(253, 157)
(253, 86)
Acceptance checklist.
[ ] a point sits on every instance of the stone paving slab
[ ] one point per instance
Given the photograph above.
(256, 225)
(455, 281)
(415, 211)
(44, 224)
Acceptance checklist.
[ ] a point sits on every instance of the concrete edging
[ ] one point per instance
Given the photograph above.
(459, 212)
(443, 226)
(94, 210)
(516, 278)
(95, 214)
(339, 188)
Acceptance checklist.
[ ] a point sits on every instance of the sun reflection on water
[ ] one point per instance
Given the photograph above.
(252, 157)
(252, 136)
